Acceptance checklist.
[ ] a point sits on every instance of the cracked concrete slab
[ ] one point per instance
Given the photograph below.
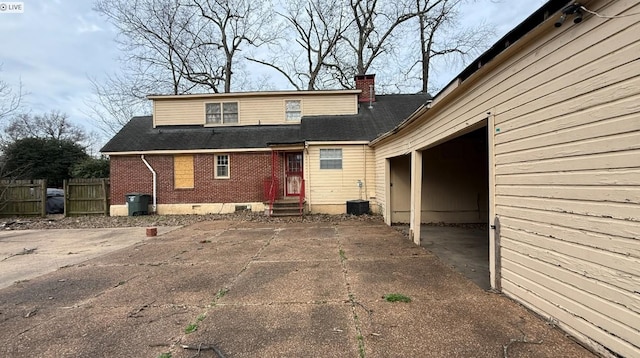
(57, 248)
(269, 290)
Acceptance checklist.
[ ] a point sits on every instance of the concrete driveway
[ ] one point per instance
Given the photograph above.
(25, 254)
(269, 290)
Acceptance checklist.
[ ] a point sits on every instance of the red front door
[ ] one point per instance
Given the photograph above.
(293, 174)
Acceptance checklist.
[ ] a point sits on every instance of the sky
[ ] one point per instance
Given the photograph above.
(55, 47)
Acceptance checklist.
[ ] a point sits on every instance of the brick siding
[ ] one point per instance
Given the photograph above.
(246, 183)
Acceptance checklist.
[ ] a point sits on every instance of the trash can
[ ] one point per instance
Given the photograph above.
(357, 207)
(138, 204)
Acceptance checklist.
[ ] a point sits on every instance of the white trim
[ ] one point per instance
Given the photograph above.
(284, 103)
(215, 166)
(415, 214)
(387, 192)
(252, 94)
(222, 123)
(359, 142)
(189, 151)
(320, 159)
(494, 275)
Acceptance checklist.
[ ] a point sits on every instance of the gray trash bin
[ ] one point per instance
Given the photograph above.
(138, 204)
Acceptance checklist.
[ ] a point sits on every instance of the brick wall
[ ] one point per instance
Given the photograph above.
(247, 174)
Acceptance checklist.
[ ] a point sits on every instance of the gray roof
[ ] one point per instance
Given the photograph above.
(388, 110)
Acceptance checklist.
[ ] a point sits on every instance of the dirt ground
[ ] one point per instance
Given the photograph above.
(269, 289)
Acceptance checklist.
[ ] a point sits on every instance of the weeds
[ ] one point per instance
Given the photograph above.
(221, 292)
(194, 326)
(361, 346)
(191, 328)
(397, 297)
(165, 355)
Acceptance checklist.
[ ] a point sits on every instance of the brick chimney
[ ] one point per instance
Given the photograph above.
(366, 83)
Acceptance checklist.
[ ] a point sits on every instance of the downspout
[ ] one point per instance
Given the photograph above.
(154, 181)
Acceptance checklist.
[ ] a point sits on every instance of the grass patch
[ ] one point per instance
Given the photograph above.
(165, 355)
(342, 255)
(397, 297)
(221, 292)
(191, 328)
(194, 326)
(361, 346)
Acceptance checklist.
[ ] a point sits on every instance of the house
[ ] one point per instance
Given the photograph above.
(540, 138)
(219, 153)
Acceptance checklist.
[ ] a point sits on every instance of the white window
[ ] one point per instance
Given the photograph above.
(222, 167)
(330, 158)
(221, 113)
(293, 110)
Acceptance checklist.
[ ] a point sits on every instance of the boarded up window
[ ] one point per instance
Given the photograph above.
(330, 158)
(293, 110)
(222, 166)
(183, 171)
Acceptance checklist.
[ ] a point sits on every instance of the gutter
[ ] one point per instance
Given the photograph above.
(155, 186)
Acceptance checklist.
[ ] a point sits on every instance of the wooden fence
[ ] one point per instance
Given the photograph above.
(23, 197)
(29, 197)
(86, 197)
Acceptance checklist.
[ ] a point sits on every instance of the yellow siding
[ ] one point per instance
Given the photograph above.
(267, 109)
(183, 171)
(566, 169)
(336, 186)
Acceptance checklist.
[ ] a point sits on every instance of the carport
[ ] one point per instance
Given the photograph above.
(453, 200)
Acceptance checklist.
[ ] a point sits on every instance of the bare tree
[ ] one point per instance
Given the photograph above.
(441, 36)
(226, 26)
(52, 125)
(189, 44)
(317, 26)
(10, 99)
(175, 47)
(117, 99)
(155, 37)
(371, 35)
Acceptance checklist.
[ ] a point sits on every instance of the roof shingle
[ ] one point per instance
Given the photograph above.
(139, 135)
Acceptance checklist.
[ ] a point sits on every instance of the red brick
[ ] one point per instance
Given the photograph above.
(248, 171)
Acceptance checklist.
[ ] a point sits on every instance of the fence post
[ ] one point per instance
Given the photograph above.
(105, 196)
(43, 198)
(65, 187)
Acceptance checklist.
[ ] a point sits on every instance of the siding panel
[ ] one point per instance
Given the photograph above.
(265, 109)
(618, 320)
(336, 186)
(595, 287)
(537, 297)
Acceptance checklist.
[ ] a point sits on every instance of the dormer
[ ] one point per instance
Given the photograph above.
(250, 108)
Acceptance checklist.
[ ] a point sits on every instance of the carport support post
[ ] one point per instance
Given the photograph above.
(387, 191)
(416, 196)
